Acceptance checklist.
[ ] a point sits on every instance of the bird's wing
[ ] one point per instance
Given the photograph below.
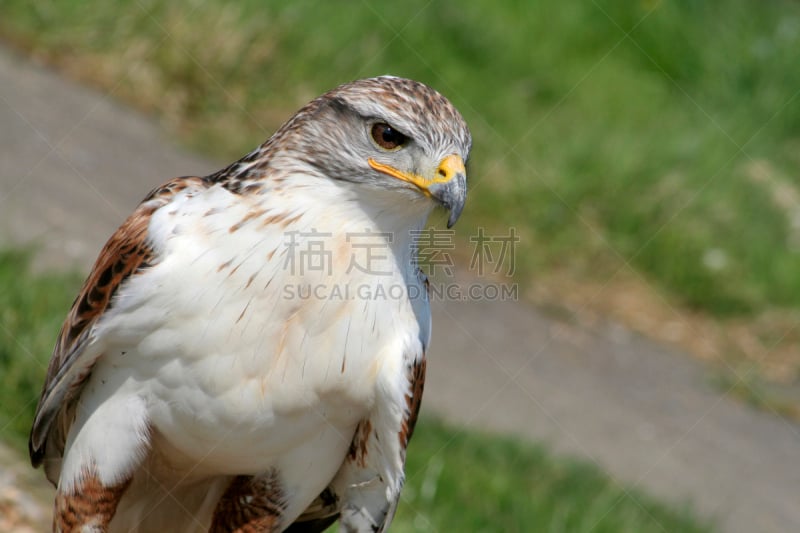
(126, 253)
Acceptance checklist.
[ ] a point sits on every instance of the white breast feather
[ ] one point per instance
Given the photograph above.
(210, 341)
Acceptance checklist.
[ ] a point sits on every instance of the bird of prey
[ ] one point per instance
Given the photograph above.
(248, 352)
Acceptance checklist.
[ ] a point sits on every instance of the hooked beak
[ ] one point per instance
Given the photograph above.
(448, 184)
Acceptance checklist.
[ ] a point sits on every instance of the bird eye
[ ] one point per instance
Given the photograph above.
(387, 137)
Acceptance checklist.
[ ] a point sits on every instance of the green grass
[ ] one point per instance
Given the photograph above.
(32, 308)
(671, 148)
(467, 481)
(457, 480)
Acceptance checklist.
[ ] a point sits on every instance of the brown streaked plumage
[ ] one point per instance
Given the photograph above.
(416, 382)
(250, 505)
(358, 446)
(94, 503)
(125, 254)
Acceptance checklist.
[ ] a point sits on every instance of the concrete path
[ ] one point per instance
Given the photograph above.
(73, 163)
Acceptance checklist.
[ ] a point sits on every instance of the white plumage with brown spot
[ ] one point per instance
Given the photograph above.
(210, 378)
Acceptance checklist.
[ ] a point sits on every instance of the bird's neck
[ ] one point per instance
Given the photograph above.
(353, 211)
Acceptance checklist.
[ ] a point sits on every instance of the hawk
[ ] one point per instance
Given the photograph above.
(209, 378)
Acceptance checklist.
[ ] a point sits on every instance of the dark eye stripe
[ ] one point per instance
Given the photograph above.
(387, 137)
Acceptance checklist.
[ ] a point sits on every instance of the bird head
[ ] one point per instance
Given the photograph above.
(387, 133)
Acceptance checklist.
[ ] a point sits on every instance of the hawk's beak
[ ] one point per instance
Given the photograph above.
(450, 186)
(448, 183)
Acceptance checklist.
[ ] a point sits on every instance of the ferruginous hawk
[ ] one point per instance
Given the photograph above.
(213, 376)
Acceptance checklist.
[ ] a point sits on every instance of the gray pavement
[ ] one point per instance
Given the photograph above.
(73, 163)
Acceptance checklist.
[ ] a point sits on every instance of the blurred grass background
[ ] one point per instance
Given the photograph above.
(647, 146)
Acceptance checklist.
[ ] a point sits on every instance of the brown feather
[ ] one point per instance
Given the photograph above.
(249, 505)
(126, 253)
(93, 503)
(416, 382)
